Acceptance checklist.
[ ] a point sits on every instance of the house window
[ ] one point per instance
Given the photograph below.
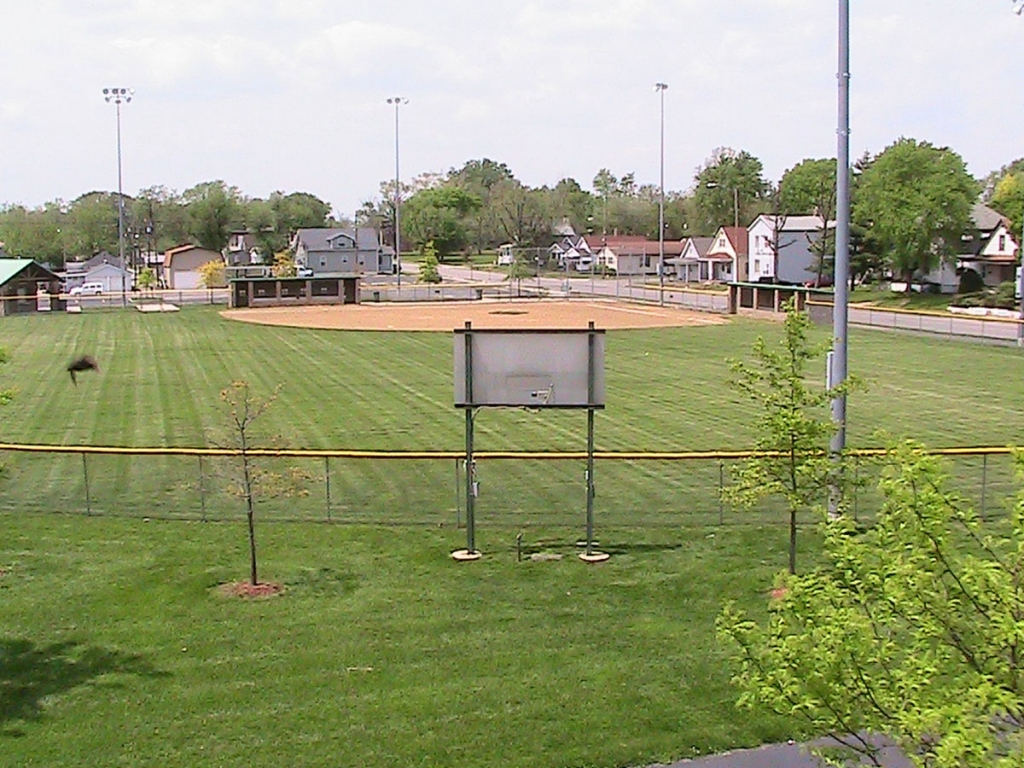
(757, 266)
(323, 261)
(1002, 242)
(721, 242)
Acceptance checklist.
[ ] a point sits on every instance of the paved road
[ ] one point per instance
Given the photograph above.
(778, 756)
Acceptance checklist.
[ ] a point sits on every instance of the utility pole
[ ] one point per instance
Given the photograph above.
(398, 101)
(119, 95)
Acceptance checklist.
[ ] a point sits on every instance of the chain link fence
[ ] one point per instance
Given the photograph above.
(515, 490)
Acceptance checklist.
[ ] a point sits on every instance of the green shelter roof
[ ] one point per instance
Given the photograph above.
(11, 267)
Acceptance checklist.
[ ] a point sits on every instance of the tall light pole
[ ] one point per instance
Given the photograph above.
(661, 88)
(398, 101)
(840, 309)
(119, 95)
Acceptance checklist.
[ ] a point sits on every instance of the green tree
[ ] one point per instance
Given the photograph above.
(214, 210)
(794, 427)
(147, 278)
(92, 221)
(520, 213)
(439, 214)
(915, 200)
(1008, 199)
(428, 266)
(910, 629)
(729, 185)
(212, 274)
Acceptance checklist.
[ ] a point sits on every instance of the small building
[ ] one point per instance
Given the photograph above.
(348, 251)
(103, 268)
(27, 286)
(182, 266)
(293, 291)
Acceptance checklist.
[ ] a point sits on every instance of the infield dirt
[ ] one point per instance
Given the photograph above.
(446, 316)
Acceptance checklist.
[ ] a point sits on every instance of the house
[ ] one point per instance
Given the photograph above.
(349, 251)
(102, 268)
(781, 248)
(27, 286)
(991, 249)
(572, 252)
(726, 258)
(686, 265)
(182, 265)
(630, 254)
(242, 249)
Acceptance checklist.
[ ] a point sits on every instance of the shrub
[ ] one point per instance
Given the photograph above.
(970, 282)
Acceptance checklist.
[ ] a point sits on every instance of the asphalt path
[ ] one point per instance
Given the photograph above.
(789, 755)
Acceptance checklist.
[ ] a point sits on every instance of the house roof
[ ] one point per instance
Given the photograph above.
(596, 242)
(700, 244)
(170, 253)
(811, 223)
(986, 219)
(737, 237)
(319, 238)
(100, 259)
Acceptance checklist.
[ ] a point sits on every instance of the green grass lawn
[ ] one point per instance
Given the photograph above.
(117, 650)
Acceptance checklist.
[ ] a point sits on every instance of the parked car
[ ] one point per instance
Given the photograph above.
(302, 271)
(87, 289)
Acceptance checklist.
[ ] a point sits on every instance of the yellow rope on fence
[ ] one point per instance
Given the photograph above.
(299, 453)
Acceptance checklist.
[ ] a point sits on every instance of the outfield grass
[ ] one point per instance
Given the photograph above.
(117, 650)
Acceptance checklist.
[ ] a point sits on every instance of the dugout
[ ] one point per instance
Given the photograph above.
(27, 286)
(293, 291)
(770, 297)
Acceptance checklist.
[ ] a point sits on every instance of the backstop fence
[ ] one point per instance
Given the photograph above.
(517, 489)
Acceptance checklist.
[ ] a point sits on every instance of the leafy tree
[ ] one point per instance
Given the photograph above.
(284, 264)
(439, 214)
(726, 179)
(428, 266)
(794, 426)
(92, 221)
(298, 210)
(482, 178)
(910, 629)
(520, 213)
(212, 274)
(147, 278)
(569, 201)
(35, 234)
(990, 182)
(1008, 199)
(914, 200)
(214, 210)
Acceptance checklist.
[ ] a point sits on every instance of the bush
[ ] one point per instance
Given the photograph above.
(970, 282)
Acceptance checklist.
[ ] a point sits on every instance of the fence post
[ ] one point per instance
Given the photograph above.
(202, 489)
(984, 481)
(85, 474)
(721, 489)
(327, 477)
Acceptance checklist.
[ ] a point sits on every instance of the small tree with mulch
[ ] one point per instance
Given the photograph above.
(251, 482)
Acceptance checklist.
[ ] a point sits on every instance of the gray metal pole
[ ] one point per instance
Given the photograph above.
(398, 101)
(590, 440)
(1020, 286)
(660, 88)
(840, 311)
(117, 95)
(470, 468)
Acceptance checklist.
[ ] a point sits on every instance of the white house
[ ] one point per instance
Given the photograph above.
(726, 258)
(687, 264)
(780, 248)
(991, 250)
(102, 268)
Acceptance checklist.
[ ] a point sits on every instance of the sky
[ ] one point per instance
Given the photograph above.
(291, 95)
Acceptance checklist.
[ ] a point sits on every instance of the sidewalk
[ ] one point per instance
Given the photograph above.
(778, 756)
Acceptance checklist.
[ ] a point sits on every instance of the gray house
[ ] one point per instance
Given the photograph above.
(781, 248)
(350, 251)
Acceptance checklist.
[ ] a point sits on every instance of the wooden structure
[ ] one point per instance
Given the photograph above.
(293, 291)
(770, 297)
(26, 286)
